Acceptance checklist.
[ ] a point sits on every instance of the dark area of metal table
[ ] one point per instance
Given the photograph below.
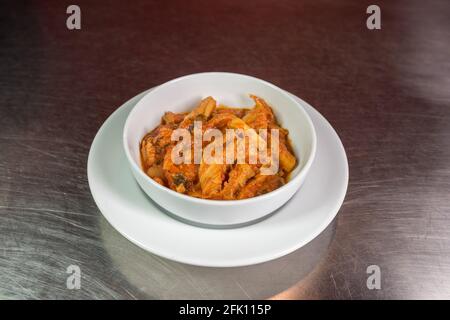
(386, 92)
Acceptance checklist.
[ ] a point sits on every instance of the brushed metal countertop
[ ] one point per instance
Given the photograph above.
(386, 92)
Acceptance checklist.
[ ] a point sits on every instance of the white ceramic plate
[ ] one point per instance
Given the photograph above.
(139, 219)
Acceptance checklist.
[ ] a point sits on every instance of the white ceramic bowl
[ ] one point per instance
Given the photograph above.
(183, 94)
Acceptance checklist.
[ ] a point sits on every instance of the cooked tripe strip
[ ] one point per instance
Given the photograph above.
(172, 118)
(148, 152)
(262, 117)
(179, 177)
(219, 121)
(155, 171)
(238, 112)
(154, 144)
(231, 121)
(259, 185)
(238, 177)
(237, 123)
(287, 159)
(203, 110)
(211, 177)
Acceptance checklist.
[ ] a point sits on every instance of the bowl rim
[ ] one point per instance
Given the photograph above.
(298, 177)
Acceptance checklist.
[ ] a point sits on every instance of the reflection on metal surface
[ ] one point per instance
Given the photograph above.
(159, 278)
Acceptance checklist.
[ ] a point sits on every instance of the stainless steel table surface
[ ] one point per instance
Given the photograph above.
(386, 92)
